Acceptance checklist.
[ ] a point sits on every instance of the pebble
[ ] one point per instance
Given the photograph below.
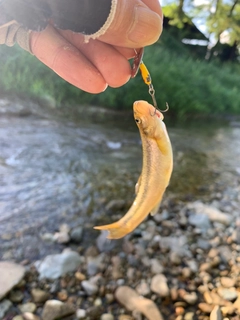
(114, 205)
(76, 234)
(159, 285)
(143, 288)
(81, 314)
(5, 305)
(107, 316)
(189, 316)
(125, 317)
(216, 313)
(61, 237)
(227, 282)
(103, 243)
(89, 287)
(16, 296)
(39, 295)
(30, 316)
(200, 220)
(17, 318)
(228, 310)
(205, 307)
(214, 214)
(133, 302)
(27, 307)
(56, 265)
(190, 298)
(54, 309)
(179, 310)
(156, 266)
(11, 274)
(80, 276)
(229, 294)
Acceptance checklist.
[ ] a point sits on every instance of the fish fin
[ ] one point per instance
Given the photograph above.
(116, 230)
(138, 184)
(155, 209)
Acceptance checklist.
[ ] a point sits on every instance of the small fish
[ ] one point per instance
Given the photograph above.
(156, 170)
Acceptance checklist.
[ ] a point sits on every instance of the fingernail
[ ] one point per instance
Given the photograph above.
(146, 27)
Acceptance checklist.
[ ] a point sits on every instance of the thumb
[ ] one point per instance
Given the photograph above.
(131, 24)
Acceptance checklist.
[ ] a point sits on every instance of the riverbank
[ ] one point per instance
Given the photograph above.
(185, 262)
(59, 178)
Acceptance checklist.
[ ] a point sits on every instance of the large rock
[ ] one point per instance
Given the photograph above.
(10, 275)
(56, 265)
(54, 309)
(133, 302)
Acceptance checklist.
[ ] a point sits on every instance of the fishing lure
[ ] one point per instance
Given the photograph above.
(138, 64)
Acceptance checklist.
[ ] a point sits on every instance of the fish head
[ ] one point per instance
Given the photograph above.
(147, 117)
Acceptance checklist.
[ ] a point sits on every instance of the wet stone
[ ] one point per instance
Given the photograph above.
(39, 295)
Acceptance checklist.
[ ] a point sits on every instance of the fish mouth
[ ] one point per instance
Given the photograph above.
(142, 108)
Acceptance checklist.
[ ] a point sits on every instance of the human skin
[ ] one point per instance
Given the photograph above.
(102, 62)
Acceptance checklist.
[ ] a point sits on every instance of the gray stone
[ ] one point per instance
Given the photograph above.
(11, 274)
(159, 285)
(176, 244)
(225, 253)
(56, 265)
(214, 214)
(95, 264)
(200, 221)
(54, 309)
(104, 244)
(5, 305)
(76, 234)
(89, 287)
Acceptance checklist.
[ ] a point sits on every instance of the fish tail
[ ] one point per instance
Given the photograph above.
(116, 230)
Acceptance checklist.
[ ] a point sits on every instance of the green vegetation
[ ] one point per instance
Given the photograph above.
(190, 86)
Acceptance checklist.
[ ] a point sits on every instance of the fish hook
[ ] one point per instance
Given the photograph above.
(138, 64)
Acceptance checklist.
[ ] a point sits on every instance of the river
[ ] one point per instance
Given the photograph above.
(56, 169)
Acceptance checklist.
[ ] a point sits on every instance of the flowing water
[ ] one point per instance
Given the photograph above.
(54, 170)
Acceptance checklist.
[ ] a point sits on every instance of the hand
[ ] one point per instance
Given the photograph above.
(102, 62)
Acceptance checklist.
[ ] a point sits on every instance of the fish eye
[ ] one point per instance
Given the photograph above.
(137, 120)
